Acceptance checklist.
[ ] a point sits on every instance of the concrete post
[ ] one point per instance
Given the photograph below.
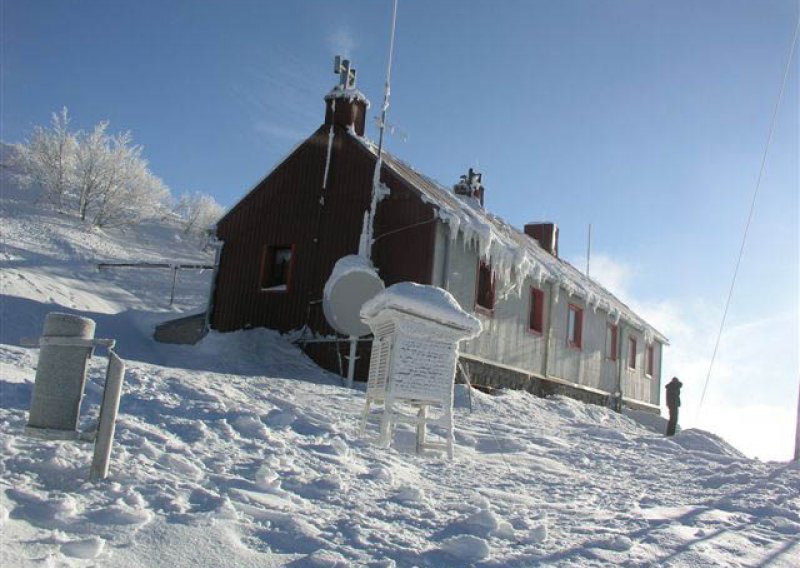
(108, 416)
(60, 376)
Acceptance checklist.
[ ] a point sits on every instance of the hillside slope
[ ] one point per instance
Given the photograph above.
(241, 452)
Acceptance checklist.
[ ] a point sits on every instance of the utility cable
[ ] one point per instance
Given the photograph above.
(752, 208)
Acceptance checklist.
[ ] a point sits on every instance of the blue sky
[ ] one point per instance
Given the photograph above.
(645, 118)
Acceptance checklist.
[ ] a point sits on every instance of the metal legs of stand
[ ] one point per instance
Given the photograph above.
(391, 416)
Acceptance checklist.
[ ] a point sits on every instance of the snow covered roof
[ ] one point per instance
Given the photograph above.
(427, 301)
(513, 254)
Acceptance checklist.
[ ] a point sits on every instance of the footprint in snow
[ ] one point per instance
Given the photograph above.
(118, 514)
(325, 559)
(618, 543)
(84, 549)
(409, 495)
(466, 548)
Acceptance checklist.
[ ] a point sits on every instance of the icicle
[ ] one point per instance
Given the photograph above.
(330, 147)
(364, 240)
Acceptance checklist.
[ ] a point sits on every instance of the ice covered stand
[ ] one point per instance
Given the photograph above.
(416, 331)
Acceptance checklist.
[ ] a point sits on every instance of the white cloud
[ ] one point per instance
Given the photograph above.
(280, 100)
(342, 41)
(751, 399)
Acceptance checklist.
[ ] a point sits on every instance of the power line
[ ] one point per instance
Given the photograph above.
(752, 208)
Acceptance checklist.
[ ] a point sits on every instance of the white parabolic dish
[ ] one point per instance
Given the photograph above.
(352, 283)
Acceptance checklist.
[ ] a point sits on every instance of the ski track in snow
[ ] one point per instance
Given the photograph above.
(241, 452)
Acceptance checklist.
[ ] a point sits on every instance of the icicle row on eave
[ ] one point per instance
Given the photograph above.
(513, 261)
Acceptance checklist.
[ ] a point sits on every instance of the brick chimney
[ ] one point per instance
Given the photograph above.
(546, 234)
(470, 186)
(345, 105)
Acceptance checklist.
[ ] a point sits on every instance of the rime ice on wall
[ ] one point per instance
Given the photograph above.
(513, 255)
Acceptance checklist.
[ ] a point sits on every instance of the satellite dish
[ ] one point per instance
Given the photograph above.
(351, 284)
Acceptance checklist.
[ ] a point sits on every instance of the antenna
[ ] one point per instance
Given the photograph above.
(589, 250)
(365, 246)
(347, 74)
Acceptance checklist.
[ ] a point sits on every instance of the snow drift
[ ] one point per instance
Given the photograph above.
(241, 452)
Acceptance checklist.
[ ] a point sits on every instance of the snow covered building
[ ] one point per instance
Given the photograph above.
(548, 327)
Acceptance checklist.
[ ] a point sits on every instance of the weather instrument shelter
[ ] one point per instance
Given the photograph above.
(417, 329)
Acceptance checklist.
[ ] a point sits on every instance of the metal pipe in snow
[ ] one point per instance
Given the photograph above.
(108, 416)
(351, 362)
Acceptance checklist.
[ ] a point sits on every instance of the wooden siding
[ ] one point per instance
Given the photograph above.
(507, 340)
(287, 208)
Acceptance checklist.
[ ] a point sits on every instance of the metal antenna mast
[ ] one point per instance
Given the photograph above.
(365, 247)
(589, 249)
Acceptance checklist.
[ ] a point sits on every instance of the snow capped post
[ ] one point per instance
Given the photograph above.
(66, 345)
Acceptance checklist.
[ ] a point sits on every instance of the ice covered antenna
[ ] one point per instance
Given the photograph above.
(347, 74)
(365, 244)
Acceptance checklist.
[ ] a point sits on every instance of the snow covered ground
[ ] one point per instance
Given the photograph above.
(241, 452)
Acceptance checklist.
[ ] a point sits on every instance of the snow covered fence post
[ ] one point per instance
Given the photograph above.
(115, 374)
(66, 345)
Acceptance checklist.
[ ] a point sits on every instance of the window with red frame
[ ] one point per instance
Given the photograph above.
(649, 364)
(276, 268)
(484, 297)
(631, 352)
(574, 326)
(611, 342)
(536, 316)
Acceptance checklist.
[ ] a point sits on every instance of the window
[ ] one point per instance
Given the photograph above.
(276, 268)
(536, 316)
(484, 297)
(574, 326)
(611, 342)
(631, 352)
(649, 362)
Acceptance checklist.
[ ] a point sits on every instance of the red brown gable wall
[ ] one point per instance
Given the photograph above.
(284, 209)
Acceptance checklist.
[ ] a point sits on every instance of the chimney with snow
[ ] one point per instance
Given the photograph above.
(546, 234)
(470, 186)
(345, 105)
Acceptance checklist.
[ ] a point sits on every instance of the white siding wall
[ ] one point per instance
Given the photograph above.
(507, 339)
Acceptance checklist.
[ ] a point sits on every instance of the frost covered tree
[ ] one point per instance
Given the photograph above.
(198, 212)
(92, 167)
(104, 175)
(47, 160)
(113, 181)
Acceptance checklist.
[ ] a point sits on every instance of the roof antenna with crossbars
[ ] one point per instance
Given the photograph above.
(347, 74)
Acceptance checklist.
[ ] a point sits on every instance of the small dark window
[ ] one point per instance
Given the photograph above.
(536, 316)
(276, 268)
(485, 293)
(649, 364)
(574, 326)
(632, 353)
(611, 342)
